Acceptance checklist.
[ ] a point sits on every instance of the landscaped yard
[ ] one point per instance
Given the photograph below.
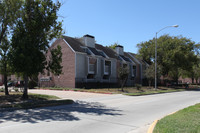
(184, 121)
(35, 100)
(131, 91)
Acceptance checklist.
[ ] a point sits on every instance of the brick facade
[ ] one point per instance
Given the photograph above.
(67, 78)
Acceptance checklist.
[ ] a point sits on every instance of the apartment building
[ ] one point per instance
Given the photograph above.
(90, 65)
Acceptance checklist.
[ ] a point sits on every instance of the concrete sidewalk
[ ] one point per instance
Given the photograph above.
(68, 94)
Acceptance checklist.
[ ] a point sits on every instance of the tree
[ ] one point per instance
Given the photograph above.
(194, 73)
(196, 70)
(174, 54)
(123, 73)
(55, 61)
(9, 13)
(112, 46)
(149, 73)
(30, 42)
(4, 60)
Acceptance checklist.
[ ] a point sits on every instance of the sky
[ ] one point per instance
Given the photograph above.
(130, 22)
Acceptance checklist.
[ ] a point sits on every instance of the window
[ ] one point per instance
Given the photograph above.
(107, 67)
(133, 71)
(92, 66)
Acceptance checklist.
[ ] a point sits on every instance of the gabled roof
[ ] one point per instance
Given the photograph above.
(100, 50)
(138, 59)
(74, 43)
(125, 58)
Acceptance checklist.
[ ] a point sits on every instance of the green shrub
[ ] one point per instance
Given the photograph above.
(2, 90)
(138, 86)
(16, 90)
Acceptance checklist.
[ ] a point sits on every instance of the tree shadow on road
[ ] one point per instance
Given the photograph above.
(57, 113)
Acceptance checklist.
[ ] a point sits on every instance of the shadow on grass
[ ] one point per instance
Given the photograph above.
(57, 113)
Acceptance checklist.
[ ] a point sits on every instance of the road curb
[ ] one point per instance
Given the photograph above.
(78, 91)
(150, 130)
(152, 126)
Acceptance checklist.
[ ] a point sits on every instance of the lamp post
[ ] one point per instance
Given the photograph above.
(156, 52)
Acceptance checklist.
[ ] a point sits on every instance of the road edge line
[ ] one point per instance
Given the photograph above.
(150, 130)
(152, 126)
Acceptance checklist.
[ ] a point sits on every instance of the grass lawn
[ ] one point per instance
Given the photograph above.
(131, 91)
(14, 101)
(184, 121)
(151, 91)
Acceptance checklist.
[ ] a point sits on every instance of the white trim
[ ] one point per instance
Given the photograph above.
(69, 46)
(81, 53)
(131, 61)
(122, 59)
(103, 53)
(90, 51)
(92, 54)
(134, 58)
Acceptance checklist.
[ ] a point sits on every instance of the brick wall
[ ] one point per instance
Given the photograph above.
(67, 78)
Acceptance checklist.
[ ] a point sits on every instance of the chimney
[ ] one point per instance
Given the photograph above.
(119, 49)
(89, 41)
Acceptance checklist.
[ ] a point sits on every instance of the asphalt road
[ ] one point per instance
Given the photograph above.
(98, 114)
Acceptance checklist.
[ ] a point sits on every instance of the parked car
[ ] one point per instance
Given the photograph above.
(9, 84)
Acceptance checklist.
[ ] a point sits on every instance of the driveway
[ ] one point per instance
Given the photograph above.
(74, 95)
(97, 113)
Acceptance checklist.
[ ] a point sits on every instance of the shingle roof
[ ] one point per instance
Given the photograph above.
(74, 43)
(108, 51)
(94, 51)
(76, 46)
(125, 58)
(140, 60)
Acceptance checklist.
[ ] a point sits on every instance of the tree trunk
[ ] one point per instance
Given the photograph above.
(6, 84)
(25, 92)
(193, 80)
(5, 77)
(3, 30)
(176, 77)
(177, 81)
(149, 82)
(196, 80)
(123, 83)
